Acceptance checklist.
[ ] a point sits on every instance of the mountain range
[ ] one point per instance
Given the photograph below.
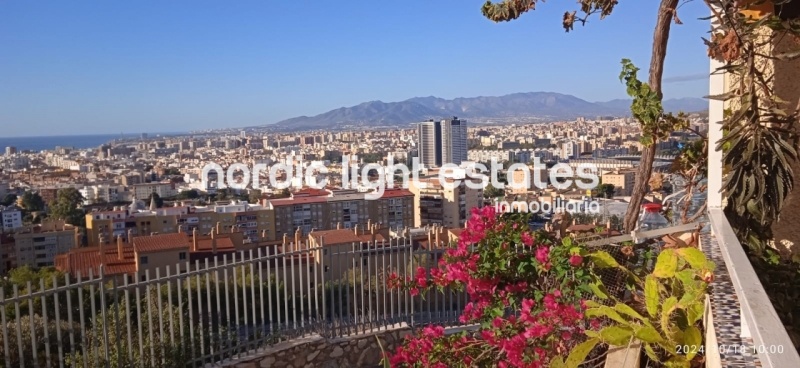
(535, 106)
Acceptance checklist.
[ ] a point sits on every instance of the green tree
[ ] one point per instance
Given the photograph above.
(157, 198)
(492, 192)
(373, 157)
(172, 171)
(67, 207)
(222, 194)
(607, 190)
(254, 196)
(333, 156)
(31, 201)
(281, 193)
(8, 200)
(188, 194)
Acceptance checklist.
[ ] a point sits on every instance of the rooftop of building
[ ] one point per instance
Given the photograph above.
(359, 234)
(161, 242)
(91, 258)
(46, 227)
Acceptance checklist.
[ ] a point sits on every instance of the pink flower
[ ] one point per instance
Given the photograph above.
(393, 281)
(543, 255)
(433, 331)
(527, 239)
(497, 322)
(575, 260)
(527, 306)
(550, 302)
(421, 277)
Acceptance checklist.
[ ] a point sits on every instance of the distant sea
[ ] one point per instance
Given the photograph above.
(75, 141)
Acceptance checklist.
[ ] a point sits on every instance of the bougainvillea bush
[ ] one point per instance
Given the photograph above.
(526, 292)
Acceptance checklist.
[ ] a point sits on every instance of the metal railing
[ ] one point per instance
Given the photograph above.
(210, 311)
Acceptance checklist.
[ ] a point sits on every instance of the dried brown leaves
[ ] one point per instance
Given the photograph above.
(724, 47)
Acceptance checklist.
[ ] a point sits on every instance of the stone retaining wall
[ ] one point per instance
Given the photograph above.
(316, 351)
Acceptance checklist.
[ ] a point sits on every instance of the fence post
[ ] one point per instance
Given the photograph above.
(321, 268)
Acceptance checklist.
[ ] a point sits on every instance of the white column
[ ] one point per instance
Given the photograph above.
(715, 116)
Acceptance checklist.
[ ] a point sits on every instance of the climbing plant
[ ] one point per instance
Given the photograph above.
(760, 133)
(761, 139)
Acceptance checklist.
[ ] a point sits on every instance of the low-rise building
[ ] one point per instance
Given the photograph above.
(446, 205)
(622, 180)
(38, 245)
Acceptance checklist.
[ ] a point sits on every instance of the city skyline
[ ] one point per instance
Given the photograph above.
(207, 66)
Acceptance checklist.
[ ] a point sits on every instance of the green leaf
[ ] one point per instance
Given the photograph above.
(625, 309)
(592, 334)
(557, 362)
(606, 311)
(648, 349)
(578, 354)
(687, 278)
(692, 337)
(648, 334)
(692, 296)
(695, 258)
(599, 290)
(666, 264)
(677, 362)
(666, 311)
(615, 335)
(592, 304)
(603, 260)
(694, 312)
(651, 297)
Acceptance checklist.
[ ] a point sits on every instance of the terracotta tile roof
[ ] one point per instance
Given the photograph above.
(456, 231)
(335, 237)
(368, 237)
(159, 243)
(85, 259)
(294, 201)
(311, 192)
(223, 244)
(394, 193)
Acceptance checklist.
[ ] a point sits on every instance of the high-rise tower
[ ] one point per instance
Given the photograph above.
(442, 142)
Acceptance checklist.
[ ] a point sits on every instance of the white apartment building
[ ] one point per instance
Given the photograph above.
(487, 155)
(100, 193)
(164, 190)
(12, 218)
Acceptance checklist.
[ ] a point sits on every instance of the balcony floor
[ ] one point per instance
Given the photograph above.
(725, 310)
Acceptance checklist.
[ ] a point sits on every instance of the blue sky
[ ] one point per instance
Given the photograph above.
(85, 67)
